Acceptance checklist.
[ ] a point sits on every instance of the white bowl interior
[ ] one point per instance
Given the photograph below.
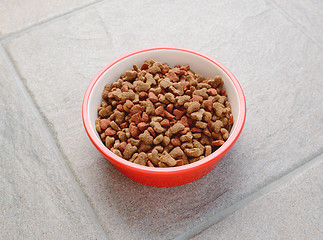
(197, 63)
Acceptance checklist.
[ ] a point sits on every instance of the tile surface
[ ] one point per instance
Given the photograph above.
(308, 14)
(16, 15)
(38, 199)
(294, 211)
(276, 64)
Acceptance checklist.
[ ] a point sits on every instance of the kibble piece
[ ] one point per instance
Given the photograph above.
(146, 137)
(176, 128)
(109, 141)
(168, 159)
(141, 159)
(217, 143)
(225, 133)
(198, 115)
(144, 147)
(157, 127)
(166, 141)
(201, 124)
(193, 152)
(187, 145)
(129, 150)
(187, 137)
(193, 107)
(98, 125)
(114, 126)
(208, 150)
(183, 99)
(134, 142)
(170, 97)
(130, 75)
(154, 157)
(176, 152)
(158, 139)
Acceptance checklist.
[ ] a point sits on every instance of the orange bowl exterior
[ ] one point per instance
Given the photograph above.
(165, 177)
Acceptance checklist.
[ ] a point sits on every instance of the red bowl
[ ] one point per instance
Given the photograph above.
(200, 63)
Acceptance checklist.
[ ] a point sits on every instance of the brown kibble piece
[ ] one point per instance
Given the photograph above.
(187, 137)
(130, 75)
(117, 152)
(201, 124)
(98, 125)
(123, 125)
(192, 107)
(176, 152)
(183, 99)
(124, 88)
(198, 115)
(225, 133)
(114, 126)
(109, 141)
(158, 139)
(193, 152)
(166, 141)
(166, 158)
(154, 157)
(208, 150)
(141, 159)
(176, 128)
(146, 138)
(157, 127)
(129, 150)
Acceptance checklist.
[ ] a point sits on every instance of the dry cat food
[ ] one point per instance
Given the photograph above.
(159, 116)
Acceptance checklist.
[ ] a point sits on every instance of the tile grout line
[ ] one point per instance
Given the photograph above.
(268, 188)
(291, 20)
(90, 210)
(48, 21)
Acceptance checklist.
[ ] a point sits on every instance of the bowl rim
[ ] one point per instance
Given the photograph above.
(114, 159)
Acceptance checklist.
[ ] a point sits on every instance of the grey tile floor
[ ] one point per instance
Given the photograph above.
(55, 185)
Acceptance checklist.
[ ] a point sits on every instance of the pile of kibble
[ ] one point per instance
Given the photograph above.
(159, 116)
